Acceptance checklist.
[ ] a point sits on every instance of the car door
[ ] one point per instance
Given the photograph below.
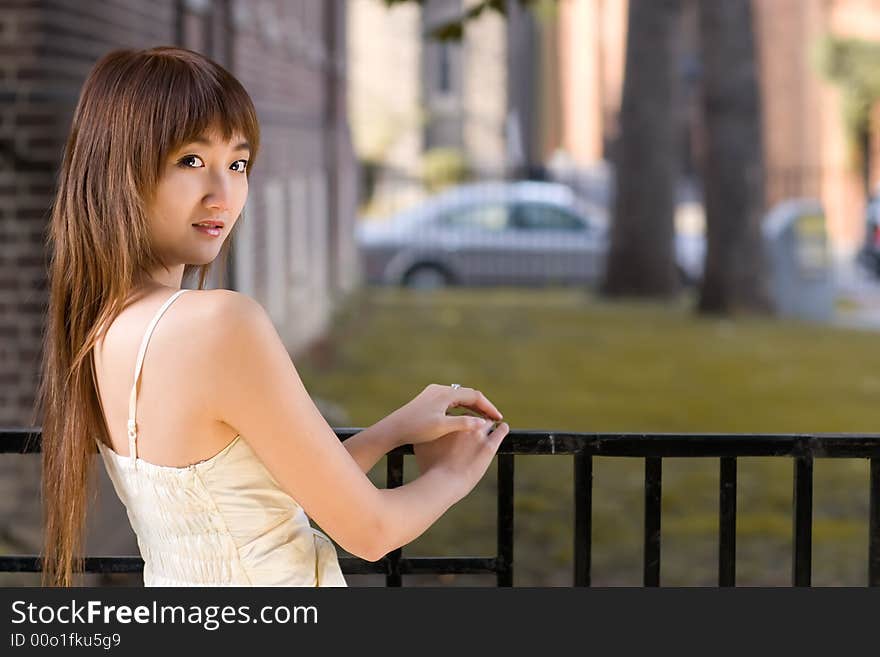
(555, 244)
(472, 237)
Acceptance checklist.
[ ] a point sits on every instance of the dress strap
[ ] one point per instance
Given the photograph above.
(132, 404)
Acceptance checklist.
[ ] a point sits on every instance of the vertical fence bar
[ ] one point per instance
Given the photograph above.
(727, 522)
(803, 520)
(583, 517)
(653, 477)
(874, 524)
(504, 573)
(394, 479)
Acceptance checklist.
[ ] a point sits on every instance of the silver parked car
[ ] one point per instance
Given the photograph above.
(507, 233)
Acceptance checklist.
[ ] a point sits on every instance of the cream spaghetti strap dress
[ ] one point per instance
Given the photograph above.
(220, 522)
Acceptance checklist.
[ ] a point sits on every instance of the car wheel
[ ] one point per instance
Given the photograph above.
(426, 277)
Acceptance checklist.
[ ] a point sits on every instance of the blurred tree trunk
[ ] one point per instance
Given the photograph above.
(641, 260)
(733, 171)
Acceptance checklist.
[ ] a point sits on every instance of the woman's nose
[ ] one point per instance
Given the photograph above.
(217, 196)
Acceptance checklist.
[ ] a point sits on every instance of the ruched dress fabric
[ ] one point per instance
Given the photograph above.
(224, 521)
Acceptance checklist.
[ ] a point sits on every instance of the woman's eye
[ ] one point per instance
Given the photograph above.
(184, 161)
(194, 161)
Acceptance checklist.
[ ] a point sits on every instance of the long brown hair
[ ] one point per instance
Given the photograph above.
(136, 107)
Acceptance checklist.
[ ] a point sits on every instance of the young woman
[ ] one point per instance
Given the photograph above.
(203, 424)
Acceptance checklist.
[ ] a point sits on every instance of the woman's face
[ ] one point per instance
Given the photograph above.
(203, 181)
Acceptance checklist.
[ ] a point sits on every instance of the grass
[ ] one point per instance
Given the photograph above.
(559, 359)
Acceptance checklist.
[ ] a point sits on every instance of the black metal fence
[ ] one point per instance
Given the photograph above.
(582, 448)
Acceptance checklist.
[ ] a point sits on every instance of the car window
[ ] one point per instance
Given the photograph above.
(487, 216)
(541, 216)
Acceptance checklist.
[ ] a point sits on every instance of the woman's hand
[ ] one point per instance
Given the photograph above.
(463, 455)
(424, 418)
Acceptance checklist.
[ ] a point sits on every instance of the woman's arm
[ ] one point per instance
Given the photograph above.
(253, 386)
(368, 446)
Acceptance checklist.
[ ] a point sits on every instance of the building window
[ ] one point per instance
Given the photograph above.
(444, 81)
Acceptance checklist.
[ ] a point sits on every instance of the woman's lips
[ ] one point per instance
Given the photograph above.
(214, 232)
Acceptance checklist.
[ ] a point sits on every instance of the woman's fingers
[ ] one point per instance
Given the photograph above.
(474, 400)
(466, 423)
(498, 434)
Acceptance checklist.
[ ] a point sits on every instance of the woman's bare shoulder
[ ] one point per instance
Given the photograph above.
(209, 326)
(221, 306)
(221, 324)
(221, 337)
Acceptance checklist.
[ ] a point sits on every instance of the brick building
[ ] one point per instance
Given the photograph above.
(294, 250)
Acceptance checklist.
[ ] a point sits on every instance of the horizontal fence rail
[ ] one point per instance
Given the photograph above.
(802, 449)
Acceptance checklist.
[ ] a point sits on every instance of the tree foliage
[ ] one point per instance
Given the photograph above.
(854, 65)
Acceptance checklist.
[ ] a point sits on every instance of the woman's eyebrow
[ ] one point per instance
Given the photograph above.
(243, 146)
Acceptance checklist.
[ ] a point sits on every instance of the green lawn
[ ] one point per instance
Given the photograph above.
(561, 360)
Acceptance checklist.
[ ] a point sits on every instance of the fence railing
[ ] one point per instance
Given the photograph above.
(583, 448)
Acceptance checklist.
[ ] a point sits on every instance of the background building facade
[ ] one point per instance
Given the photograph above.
(411, 96)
